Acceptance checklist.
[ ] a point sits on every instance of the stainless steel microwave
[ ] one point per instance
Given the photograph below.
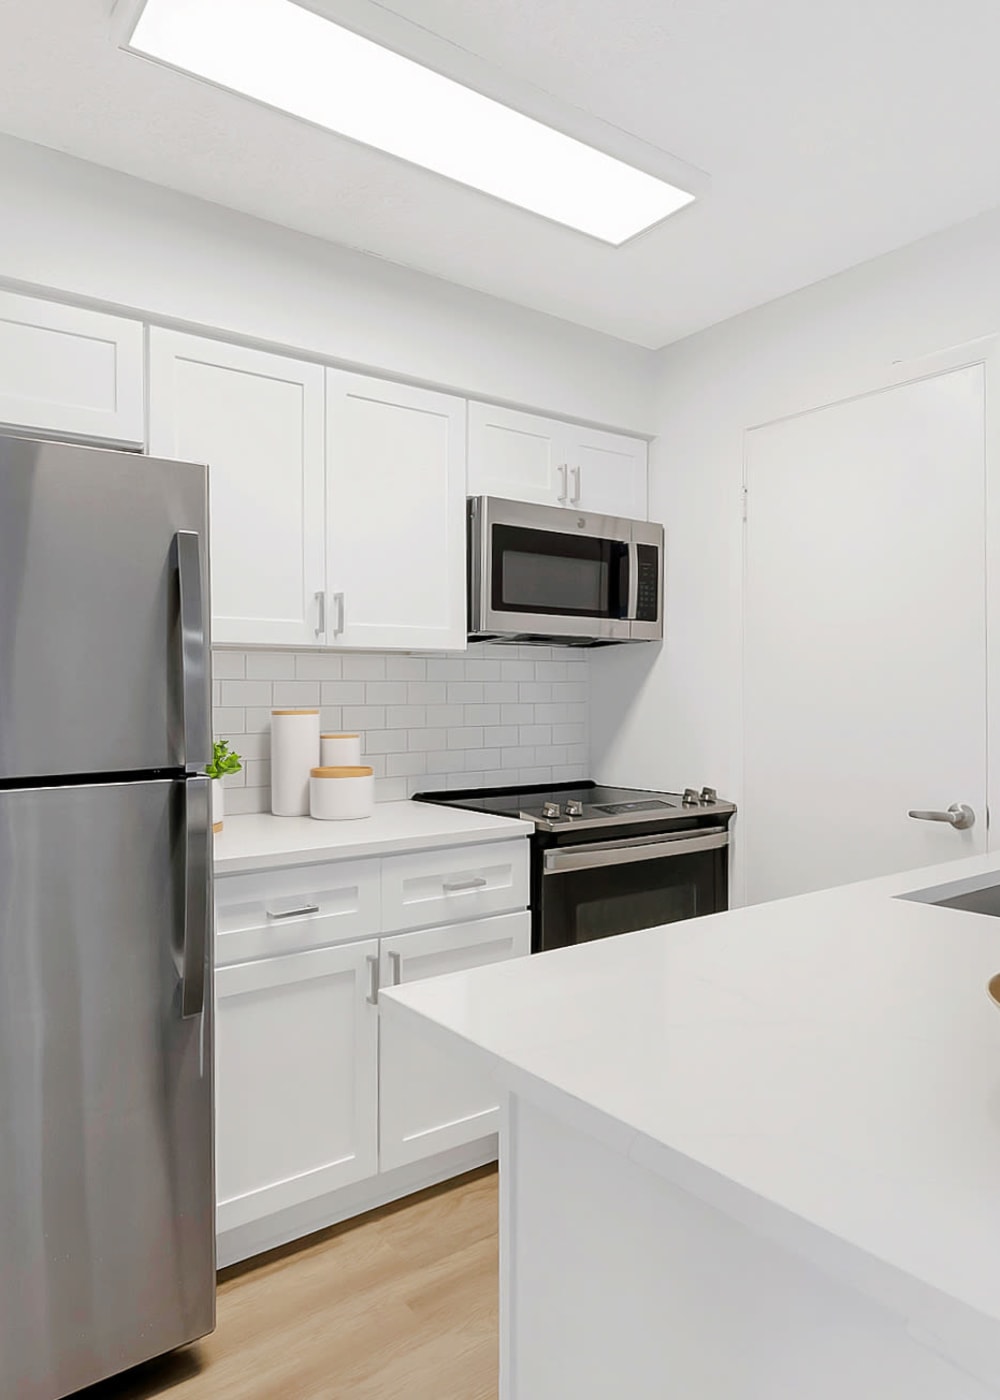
(554, 574)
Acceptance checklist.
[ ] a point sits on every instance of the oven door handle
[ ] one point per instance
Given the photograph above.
(591, 857)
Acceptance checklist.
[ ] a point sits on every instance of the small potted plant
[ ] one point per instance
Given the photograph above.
(223, 761)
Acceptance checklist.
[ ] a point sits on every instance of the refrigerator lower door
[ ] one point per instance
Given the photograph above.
(104, 615)
(107, 1231)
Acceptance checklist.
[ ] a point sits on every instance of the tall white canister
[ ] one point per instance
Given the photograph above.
(294, 753)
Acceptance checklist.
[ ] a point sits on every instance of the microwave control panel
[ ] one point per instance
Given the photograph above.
(647, 608)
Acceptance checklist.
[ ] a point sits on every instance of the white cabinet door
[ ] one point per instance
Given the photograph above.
(517, 456)
(429, 1100)
(296, 1079)
(396, 515)
(70, 372)
(607, 473)
(257, 420)
(523, 457)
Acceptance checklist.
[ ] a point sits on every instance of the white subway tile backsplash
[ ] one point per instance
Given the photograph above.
(445, 714)
(342, 692)
(426, 693)
(465, 737)
(500, 692)
(368, 666)
(228, 720)
(424, 740)
(363, 717)
(405, 668)
(229, 665)
(297, 693)
(386, 692)
(246, 693)
(318, 666)
(270, 665)
(501, 714)
(385, 741)
(465, 693)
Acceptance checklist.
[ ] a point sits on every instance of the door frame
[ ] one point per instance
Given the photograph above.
(985, 351)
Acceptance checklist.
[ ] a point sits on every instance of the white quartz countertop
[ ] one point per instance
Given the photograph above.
(825, 1069)
(262, 841)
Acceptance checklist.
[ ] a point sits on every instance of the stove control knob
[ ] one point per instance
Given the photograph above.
(709, 796)
(574, 808)
(691, 797)
(551, 810)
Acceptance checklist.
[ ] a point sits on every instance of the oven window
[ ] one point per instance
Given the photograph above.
(577, 906)
(544, 571)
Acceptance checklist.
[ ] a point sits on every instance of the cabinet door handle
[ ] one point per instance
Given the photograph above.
(372, 997)
(564, 493)
(475, 882)
(395, 962)
(338, 598)
(575, 498)
(294, 911)
(320, 613)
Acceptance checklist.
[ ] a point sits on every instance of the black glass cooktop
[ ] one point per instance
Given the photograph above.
(595, 800)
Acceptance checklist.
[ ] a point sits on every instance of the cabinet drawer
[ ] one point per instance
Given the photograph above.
(287, 911)
(455, 884)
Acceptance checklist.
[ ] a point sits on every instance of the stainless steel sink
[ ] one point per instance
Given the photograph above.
(980, 894)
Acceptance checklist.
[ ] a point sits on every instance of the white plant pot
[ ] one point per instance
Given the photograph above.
(218, 803)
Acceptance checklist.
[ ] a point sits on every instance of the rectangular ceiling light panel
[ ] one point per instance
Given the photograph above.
(291, 58)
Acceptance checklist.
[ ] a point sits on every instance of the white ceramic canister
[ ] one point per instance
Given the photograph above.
(342, 794)
(339, 750)
(294, 753)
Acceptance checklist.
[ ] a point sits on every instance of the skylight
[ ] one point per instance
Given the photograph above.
(276, 52)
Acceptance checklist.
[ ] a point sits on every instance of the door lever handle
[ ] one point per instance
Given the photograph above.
(958, 815)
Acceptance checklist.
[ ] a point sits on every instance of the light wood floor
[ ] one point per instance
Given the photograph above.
(399, 1305)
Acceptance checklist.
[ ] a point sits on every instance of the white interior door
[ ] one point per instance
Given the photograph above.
(865, 635)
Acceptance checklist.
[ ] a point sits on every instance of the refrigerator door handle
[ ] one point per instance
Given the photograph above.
(197, 893)
(194, 677)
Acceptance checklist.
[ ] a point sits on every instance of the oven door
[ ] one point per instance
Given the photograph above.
(607, 887)
(547, 571)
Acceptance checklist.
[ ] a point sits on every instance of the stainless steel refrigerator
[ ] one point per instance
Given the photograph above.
(107, 1230)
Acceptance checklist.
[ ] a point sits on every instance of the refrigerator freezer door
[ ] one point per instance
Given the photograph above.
(107, 1230)
(98, 672)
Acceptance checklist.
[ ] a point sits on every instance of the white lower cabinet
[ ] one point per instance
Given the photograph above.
(429, 1102)
(296, 1079)
(314, 1092)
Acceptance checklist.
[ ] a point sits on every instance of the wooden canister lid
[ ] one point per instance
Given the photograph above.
(354, 771)
(340, 736)
(295, 712)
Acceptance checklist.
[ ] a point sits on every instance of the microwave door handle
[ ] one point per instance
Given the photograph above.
(632, 607)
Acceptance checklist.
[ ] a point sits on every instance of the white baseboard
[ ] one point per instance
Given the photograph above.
(297, 1221)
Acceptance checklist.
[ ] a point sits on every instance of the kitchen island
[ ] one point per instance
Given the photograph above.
(755, 1156)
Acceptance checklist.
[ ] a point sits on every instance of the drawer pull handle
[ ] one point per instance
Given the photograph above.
(280, 911)
(475, 882)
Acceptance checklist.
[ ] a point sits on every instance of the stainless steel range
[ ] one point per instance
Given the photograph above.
(611, 860)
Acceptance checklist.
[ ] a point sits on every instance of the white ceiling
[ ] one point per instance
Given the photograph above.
(831, 132)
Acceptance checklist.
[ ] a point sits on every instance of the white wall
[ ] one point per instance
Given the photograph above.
(72, 227)
(670, 716)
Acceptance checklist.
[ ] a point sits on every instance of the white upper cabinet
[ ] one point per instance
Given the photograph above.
(517, 456)
(524, 457)
(607, 473)
(69, 372)
(395, 515)
(257, 420)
